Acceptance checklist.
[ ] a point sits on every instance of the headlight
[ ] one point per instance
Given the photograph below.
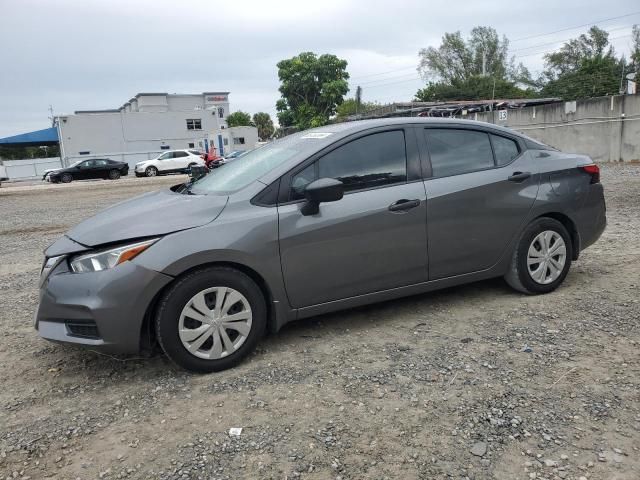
(106, 259)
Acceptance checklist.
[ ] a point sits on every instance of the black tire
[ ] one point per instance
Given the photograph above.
(66, 178)
(114, 174)
(518, 276)
(176, 298)
(151, 171)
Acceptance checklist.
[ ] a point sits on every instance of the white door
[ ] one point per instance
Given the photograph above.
(165, 162)
(181, 160)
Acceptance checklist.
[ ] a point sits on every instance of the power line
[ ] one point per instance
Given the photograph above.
(395, 83)
(559, 48)
(564, 40)
(382, 73)
(411, 75)
(577, 26)
(516, 40)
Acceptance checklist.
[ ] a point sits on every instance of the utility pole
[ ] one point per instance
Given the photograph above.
(358, 98)
(622, 89)
(484, 63)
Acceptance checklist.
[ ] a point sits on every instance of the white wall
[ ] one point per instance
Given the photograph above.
(148, 124)
(249, 134)
(94, 132)
(30, 167)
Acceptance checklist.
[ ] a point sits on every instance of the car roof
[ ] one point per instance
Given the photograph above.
(359, 125)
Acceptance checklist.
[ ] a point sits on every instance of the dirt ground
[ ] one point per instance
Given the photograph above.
(472, 382)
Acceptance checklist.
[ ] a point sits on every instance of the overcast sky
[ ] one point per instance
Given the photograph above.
(89, 54)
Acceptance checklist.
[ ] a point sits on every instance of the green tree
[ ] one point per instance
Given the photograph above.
(352, 106)
(478, 67)
(457, 59)
(570, 57)
(583, 67)
(19, 153)
(239, 119)
(311, 87)
(473, 88)
(263, 121)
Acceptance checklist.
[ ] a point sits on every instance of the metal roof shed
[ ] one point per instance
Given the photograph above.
(47, 136)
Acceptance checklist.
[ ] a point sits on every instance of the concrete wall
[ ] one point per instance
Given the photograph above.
(605, 128)
(30, 167)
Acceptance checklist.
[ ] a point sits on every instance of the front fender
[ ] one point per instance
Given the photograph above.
(244, 234)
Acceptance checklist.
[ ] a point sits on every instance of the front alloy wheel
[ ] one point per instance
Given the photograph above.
(151, 171)
(210, 319)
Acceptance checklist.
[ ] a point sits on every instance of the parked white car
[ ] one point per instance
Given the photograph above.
(3, 173)
(173, 161)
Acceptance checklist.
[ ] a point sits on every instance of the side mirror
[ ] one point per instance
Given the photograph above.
(320, 191)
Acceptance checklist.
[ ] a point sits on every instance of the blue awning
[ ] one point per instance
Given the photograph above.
(48, 136)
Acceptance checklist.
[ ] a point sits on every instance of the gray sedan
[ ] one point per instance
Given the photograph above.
(322, 220)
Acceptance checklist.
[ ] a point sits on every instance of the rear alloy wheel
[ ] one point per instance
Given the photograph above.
(151, 171)
(542, 258)
(114, 174)
(66, 178)
(211, 319)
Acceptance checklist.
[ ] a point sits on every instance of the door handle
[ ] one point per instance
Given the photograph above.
(404, 205)
(519, 176)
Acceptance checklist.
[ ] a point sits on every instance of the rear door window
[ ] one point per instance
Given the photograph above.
(457, 151)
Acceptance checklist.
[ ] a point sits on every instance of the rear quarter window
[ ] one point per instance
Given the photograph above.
(504, 149)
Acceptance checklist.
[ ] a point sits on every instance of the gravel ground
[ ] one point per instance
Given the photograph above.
(471, 382)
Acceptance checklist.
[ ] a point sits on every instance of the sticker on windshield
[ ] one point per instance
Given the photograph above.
(316, 135)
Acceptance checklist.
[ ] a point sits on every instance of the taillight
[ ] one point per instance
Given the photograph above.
(594, 171)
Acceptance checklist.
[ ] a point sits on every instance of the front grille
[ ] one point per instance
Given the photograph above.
(83, 328)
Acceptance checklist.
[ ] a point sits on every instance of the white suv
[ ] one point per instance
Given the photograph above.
(173, 161)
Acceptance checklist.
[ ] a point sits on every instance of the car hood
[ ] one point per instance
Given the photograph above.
(155, 213)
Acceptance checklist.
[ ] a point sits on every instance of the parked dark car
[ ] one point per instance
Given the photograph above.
(88, 169)
(345, 215)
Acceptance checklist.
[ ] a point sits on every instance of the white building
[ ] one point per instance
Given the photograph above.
(152, 122)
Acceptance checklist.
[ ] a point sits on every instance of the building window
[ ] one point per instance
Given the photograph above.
(226, 142)
(238, 141)
(192, 145)
(194, 124)
(165, 147)
(86, 152)
(221, 112)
